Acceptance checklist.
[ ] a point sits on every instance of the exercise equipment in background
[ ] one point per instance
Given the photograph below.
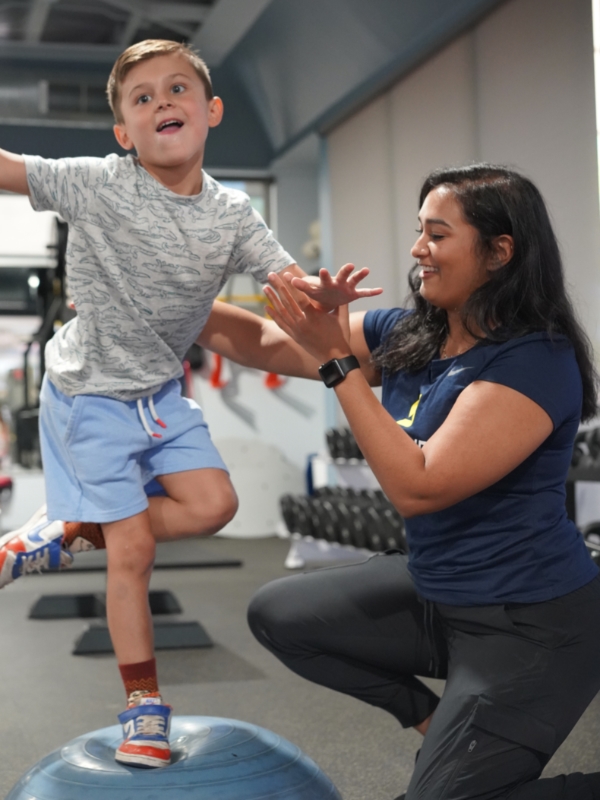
(340, 523)
(585, 467)
(212, 759)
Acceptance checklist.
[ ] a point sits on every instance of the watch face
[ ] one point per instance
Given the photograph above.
(331, 373)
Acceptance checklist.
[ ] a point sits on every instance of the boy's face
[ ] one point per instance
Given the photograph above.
(166, 115)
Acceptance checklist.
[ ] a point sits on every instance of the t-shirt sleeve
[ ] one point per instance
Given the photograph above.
(543, 370)
(256, 250)
(61, 184)
(378, 325)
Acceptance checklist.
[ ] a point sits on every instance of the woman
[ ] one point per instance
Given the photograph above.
(484, 385)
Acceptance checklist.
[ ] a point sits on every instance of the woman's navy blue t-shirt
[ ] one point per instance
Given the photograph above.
(511, 542)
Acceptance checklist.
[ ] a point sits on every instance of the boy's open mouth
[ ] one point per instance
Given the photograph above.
(169, 123)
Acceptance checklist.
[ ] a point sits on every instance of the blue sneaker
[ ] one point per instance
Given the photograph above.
(35, 546)
(146, 724)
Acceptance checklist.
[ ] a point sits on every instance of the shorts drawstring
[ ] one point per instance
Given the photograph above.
(154, 415)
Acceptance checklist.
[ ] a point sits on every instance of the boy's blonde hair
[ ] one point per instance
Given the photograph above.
(144, 51)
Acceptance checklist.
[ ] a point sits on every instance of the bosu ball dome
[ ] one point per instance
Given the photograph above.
(212, 759)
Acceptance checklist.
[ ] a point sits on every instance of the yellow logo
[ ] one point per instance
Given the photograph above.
(406, 423)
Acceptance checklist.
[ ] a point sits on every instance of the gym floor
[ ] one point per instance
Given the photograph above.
(51, 696)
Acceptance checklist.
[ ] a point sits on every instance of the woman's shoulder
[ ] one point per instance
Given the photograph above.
(540, 365)
(538, 344)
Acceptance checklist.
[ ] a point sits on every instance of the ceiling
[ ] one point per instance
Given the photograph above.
(284, 68)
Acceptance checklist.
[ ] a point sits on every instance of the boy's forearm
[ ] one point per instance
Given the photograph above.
(13, 175)
(255, 342)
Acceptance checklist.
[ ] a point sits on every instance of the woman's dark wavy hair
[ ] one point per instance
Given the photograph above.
(525, 295)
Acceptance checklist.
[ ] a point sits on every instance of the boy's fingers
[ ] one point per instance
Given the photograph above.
(358, 276)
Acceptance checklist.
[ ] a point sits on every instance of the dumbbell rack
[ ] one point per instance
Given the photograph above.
(585, 465)
(345, 517)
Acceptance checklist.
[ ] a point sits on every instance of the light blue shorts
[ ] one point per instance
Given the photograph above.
(99, 460)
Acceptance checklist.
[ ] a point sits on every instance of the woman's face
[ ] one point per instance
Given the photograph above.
(446, 250)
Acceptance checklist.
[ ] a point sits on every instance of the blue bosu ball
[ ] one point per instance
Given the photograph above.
(212, 759)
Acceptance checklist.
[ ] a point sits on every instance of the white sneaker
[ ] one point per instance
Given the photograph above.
(33, 547)
(146, 723)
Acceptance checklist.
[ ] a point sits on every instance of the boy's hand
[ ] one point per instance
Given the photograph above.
(328, 292)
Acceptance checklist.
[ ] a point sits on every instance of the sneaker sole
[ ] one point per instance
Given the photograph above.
(139, 760)
(6, 571)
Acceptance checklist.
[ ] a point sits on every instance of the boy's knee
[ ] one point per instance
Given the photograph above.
(132, 552)
(213, 515)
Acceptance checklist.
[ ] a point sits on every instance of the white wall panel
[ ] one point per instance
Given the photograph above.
(362, 207)
(536, 111)
(433, 125)
(518, 89)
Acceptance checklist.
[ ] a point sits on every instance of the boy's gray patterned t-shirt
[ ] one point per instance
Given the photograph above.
(144, 265)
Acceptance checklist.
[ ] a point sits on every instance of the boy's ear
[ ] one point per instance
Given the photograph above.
(215, 112)
(122, 137)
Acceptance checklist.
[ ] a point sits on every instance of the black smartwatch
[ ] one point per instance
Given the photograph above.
(334, 371)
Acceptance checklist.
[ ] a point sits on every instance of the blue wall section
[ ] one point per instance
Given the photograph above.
(303, 66)
(57, 142)
(239, 142)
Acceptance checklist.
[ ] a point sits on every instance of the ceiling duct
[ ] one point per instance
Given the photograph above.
(48, 103)
(30, 99)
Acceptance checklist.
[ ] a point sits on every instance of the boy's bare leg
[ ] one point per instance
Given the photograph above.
(199, 503)
(130, 549)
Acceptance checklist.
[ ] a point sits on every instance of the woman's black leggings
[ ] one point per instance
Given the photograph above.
(518, 676)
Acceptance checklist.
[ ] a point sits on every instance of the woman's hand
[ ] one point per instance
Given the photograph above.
(330, 292)
(325, 335)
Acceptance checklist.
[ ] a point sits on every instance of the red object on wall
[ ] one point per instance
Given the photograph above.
(274, 381)
(215, 376)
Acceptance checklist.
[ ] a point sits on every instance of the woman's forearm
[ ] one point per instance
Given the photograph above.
(397, 461)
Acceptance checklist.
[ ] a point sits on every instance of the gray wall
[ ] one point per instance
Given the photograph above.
(296, 175)
(517, 89)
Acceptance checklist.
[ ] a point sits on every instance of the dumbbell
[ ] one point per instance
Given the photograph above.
(374, 529)
(344, 524)
(394, 531)
(334, 442)
(304, 524)
(580, 450)
(349, 447)
(324, 520)
(287, 503)
(358, 527)
(592, 440)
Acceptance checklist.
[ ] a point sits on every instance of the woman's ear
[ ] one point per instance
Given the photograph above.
(503, 249)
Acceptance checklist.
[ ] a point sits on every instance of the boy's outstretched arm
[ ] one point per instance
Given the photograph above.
(13, 175)
(254, 341)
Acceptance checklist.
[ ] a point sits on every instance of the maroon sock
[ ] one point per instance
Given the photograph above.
(140, 677)
(86, 530)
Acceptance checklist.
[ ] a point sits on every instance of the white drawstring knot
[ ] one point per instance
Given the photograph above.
(155, 417)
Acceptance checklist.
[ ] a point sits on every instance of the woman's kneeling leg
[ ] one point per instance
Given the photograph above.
(357, 629)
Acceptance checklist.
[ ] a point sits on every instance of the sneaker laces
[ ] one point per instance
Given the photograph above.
(151, 725)
(35, 562)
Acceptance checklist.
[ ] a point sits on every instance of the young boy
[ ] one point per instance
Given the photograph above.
(152, 240)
